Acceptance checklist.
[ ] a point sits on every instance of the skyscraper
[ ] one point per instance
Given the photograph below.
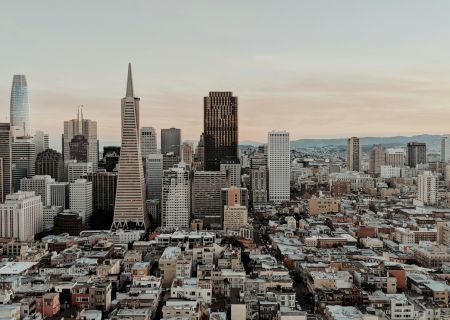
(354, 154)
(81, 199)
(49, 162)
(171, 141)
(19, 107)
(5, 160)
(79, 148)
(148, 141)
(154, 168)
(279, 166)
(445, 148)
(129, 210)
(187, 153)
(38, 184)
(87, 129)
(416, 153)
(427, 188)
(206, 197)
(40, 139)
(376, 159)
(176, 199)
(104, 186)
(23, 160)
(220, 129)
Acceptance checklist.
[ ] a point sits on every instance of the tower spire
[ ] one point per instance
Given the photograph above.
(130, 91)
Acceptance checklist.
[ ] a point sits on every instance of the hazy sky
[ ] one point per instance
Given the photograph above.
(314, 68)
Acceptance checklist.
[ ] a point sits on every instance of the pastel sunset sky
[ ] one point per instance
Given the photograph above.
(315, 68)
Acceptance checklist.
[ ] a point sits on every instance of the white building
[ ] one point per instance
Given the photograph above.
(77, 170)
(38, 184)
(148, 141)
(49, 213)
(154, 175)
(81, 198)
(389, 171)
(23, 152)
(21, 216)
(279, 163)
(58, 194)
(427, 188)
(176, 198)
(40, 139)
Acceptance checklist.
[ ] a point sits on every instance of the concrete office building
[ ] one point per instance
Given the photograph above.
(376, 159)
(129, 208)
(5, 160)
(416, 153)
(41, 141)
(171, 141)
(206, 197)
(50, 162)
(85, 128)
(81, 199)
(354, 154)
(154, 169)
(232, 168)
(187, 153)
(21, 216)
(395, 157)
(148, 141)
(170, 160)
(427, 188)
(77, 170)
(38, 184)
(58, 194)
(49, 213)
(104, 185)
(279, 166)
(220, 129)
(23, 160)
(68, 222)
(176, 198)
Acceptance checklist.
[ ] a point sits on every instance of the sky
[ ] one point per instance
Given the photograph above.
(319, 69)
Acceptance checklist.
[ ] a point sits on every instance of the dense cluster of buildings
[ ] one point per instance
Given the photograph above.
(177, 230)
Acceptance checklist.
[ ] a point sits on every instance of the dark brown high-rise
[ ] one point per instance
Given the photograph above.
(220, 122)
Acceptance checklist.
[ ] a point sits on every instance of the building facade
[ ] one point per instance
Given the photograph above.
(50, 162)
(220, 129)
(19, 107)
(279, 165)
(171, 141)
(81, 199)
(5, 160)
(416, 153)
(129, 209)
(354, 154)
(148, 141)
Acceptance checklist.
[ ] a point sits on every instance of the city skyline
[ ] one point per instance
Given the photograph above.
(269, 60)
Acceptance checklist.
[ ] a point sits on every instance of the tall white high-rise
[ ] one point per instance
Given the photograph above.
(279, 166)
(40, 139)
(148, 141)
(176, 198)
(81, 199)
(129, 210)
(19, 107)
(21, 216)
(427, 188)
(445, 148)
(81, 127)
(354, 154)
(38, 184)
(154, 175)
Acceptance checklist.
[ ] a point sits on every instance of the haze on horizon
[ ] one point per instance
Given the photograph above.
(315, 68)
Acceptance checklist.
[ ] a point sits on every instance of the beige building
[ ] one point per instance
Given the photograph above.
(321, 205)
(354, 154)
(168, 265)
(234, 217)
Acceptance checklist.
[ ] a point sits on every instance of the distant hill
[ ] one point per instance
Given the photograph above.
(432, 141)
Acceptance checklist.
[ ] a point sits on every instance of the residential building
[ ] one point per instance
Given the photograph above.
(376, 159)
(322, 205)
(427, 188)
(354, 154)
